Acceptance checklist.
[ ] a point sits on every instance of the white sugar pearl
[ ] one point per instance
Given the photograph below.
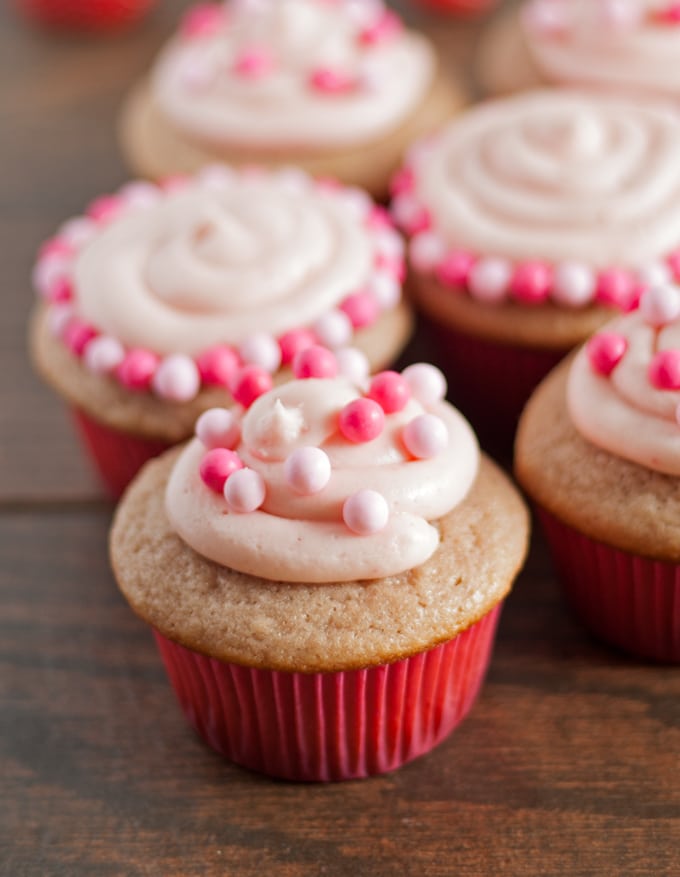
(660, 305)
(655, 274)
(177, 378)
(389, 243)
(293, 180)
(218, 428)
(573, 284)
(426, 251)
(386, 290)
(334, 329)
(216, 177)
(103, 354)
(353, 365)
(245, 491)
(489, 279)
(262, 350)
(139, 195)
(366, 512)
(49, 271)
(425, 436)
(58, 318)
(78, 231)
(547, 16)
(307, 470)
(426, 382)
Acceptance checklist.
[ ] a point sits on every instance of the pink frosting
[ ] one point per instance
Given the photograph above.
(295, 73)
(331, 509)
(624, 386)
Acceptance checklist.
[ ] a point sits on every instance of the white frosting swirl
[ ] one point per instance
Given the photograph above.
(303, 538)
(623, 413)
(614, 45)
(207, 265)
(195, 85)
(558, 176)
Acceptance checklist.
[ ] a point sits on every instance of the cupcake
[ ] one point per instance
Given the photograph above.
(530, 219)
(337, 88)
(598, 450)
(323, 572)
(165, 301)
(628, 46)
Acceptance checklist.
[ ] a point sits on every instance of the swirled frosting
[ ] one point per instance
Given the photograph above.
(313, 536)
(240, 259)
(623, 391)
(627, 45)
(557, 176)
(294, 73)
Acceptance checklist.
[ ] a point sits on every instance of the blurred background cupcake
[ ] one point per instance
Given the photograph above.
(530, 220)
(338, 88)
(324, 573)
(164, 301)
(598, 450)
(629, 46)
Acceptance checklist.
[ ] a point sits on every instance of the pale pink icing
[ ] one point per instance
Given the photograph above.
(623, 412)
(615, 44)
(204, 85)
(303, 538)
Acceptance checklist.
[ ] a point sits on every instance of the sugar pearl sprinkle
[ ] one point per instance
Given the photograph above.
(244, 369)
(493, 279)
(555, 18)
(308, 470)
(659, 307)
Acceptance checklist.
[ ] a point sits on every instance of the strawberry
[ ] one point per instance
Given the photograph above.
(85, 15)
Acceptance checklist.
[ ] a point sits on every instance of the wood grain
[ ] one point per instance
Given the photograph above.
(568, 765)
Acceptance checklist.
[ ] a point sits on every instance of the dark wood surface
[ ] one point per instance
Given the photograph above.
(568, 764)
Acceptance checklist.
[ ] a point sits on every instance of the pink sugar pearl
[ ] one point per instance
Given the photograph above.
(218, 366)
(77, 335)
(366, 512)
(315, 362)
(384, 28)
(403, 181)
(177, 378)
(531, 282)
(294, 342)
(137, 369)
(103, 355)
(605, 350)
(425, 436)
(202, 20)
(50, 277)
(673, 262)
(670, 14)
(615, 288)
(660, 305)
(361, 308)
(426, 382)
(254, 63)
(245, 491)
(106, 208)
(307, 470)
(361, 421)
(263, 350)
(217, 467)
(330, 81)
(218, 428)
(664, 370)
(390, 390)
(410, 215)
(249, 384)
(454, 269)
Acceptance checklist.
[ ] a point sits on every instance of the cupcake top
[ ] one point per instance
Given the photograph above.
(217, 279)
(627, 45)
(292, 73)
(623, 392)
(548, 196)
(320, 481)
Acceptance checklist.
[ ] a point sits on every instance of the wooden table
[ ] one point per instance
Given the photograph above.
(568, 765)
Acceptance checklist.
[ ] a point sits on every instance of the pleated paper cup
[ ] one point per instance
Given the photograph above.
(117, 456)
(323, 727)
(627, 600)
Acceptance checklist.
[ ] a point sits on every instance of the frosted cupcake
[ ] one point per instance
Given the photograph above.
(628, 46)
(598, 449)
(324, 572)
(164, 301)
(338, 88)
(530, 219)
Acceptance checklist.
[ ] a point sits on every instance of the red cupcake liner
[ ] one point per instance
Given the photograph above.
(331, 726)
(628, 601)
(489, 382)
(117, 455)
(458, 7)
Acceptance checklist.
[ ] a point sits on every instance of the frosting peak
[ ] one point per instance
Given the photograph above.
(324, 507)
